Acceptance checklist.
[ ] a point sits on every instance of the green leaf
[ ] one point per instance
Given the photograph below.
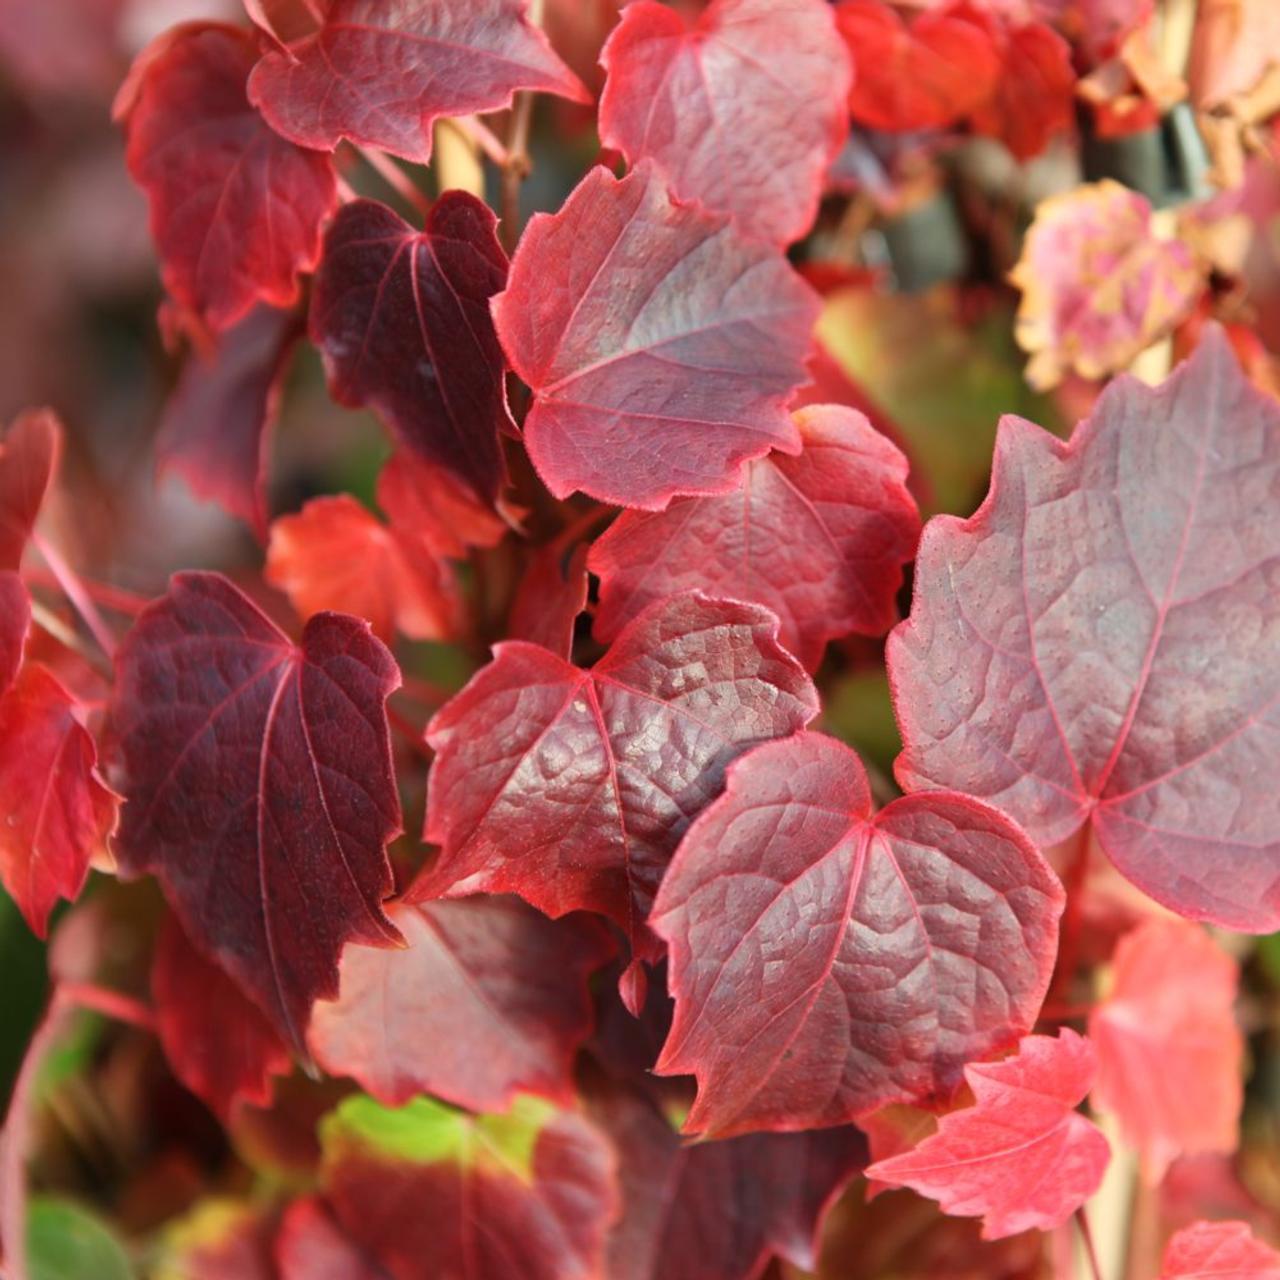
(65, 1242)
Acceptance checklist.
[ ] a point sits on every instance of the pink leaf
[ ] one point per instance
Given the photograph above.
(15, 621)
(1221, 1250)
(28, 459)
(1021, 1157)
(259, 786)
(380, 72)
(742, 109)
(1100, 643)
(819, 538)
(660, 345)
(882, 951)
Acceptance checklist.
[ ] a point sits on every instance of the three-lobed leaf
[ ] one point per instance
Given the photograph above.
(1100, 643)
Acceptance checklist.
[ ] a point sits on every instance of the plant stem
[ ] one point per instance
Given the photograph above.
(1073, 918)
(1082, 1221)
(49, 621)
(395, 177)
(516, 167)
(74, 590)
(483, 137)
(111, 1004)
(117, 599)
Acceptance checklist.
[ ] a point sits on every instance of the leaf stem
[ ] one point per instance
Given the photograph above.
(483, 137)
(49, 621)
(1082, 1221)
(112, 1004)
(517, 166)
(117, 599)
(395, 177)
(75, 591)
(1073, 918)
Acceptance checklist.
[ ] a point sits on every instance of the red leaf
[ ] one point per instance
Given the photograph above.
(1170, 1056)
(429, 1191)
(221, 1239)
(1100, 642)
(742, 109)
(882, 951)
(402, 320)
(1221, 1249)
(217, 422)
(820, 539)
(335, 554)
(1021, 1157)
(57, 810)
(311, 1246)
(660, 345)
(920, 74)
(551, 595)
(15, 622)
(218, 1043)
(490, 998)
(28, 459)
(719, 1209)
(380, 72)
(571, 788)
(235, 209)
(259, 785)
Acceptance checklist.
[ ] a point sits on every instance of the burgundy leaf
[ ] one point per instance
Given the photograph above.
(660, 344)
(882, 951)
(1100, 643)
(218, 1043)
(429, 1191)
(1021, 1157)
(380, 72)
(571, 788)
(743, 108)
(57, 811)
(490, 998)
(28, 459)
(719, 1209)
(235, 209)
(402, 320)
(551, 595)
(819, 538)
(1226, 1250)
(259, 785)
(15, 622)
(216, 425)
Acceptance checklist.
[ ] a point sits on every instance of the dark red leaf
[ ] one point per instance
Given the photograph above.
(819, 538)
(1219, 1249)
(402, 320)
(551, 595)
(57, 811)
(217, 423)
(311, 1246)
(489, 999)
(743, 109)
(259, 785)
(336, 554)
(235, 209)
(28, 459)
(15, 621)
(571, 788)
(218, 1043)
(380, 72)
(919, 73)
(1101, 641)
(429, 1191)
(661, 346)
(719, 1209)
(882, 951)
(1021, 1157)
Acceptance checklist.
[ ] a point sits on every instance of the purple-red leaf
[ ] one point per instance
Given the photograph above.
(827, 960)
(660, 344)
(259, 785)
(380, 72)
(1226, 1250)
(551, 595)
(571, 788)
(219, 1044)
(743, 109)
(217, 422)
(490, 998)
(402, 320)
(28, 459)
(1101, 642)
(1021, 1157)
(235, 209)
(819, 538)
(15, 621)
(57, 812)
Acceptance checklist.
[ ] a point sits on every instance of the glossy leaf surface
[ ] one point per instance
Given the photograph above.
(882, 951)
(259, 787)
(1021, 1157)
(490, 998)
(402, 320)
(380, 72)
(1101, 643)
(235, 208)
(661, 346)
(742, 109)
(819, 538)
